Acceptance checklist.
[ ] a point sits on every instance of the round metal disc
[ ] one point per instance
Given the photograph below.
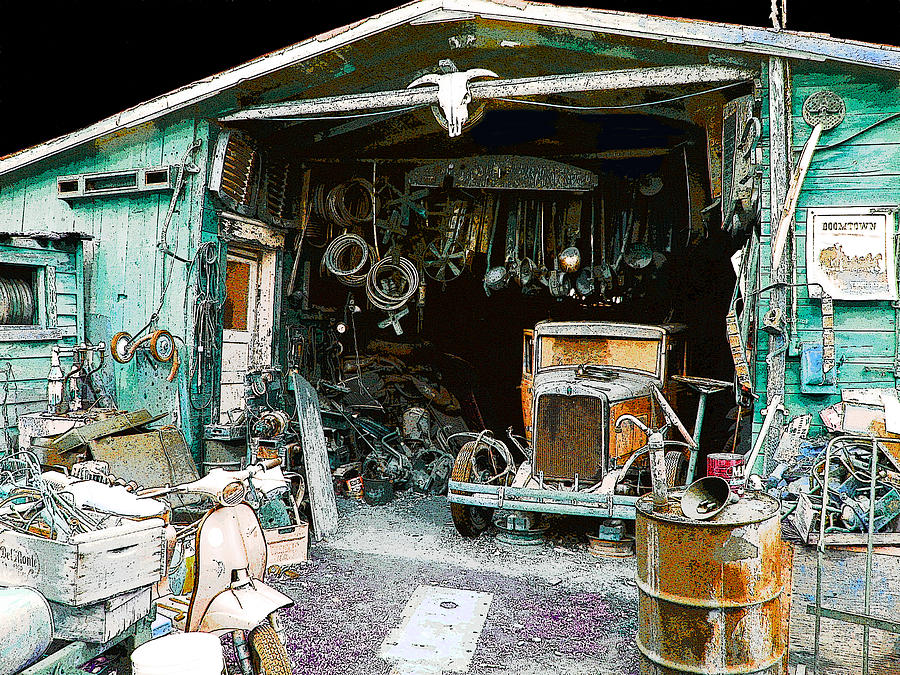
(824, 107)
(28, 305)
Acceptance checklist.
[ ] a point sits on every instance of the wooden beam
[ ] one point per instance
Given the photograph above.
(610, 80)
(779, 175)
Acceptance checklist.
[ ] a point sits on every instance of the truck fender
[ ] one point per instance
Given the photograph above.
(242, 608)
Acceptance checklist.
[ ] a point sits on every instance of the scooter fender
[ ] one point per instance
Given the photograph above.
(242, 608)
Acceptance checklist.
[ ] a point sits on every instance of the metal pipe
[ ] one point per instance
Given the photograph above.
(767, 422)
(873, 467)
(698, 425)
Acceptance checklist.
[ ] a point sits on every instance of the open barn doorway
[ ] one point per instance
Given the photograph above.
(418, 262)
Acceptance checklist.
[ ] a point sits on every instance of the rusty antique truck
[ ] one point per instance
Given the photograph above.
(592, 393)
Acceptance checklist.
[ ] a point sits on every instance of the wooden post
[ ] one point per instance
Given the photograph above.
(779, 175)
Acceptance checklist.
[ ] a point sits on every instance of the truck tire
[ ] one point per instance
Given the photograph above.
(470, 521)
(267, 655)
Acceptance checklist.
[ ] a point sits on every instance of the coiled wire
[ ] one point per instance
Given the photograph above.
(347, 215)
(345, 258)
(390, 284)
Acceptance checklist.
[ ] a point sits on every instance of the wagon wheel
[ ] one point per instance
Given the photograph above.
(444, 260)
(120, 347)
(469, 520)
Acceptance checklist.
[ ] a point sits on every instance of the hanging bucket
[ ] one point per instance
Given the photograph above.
(26, 628)
(179, 654)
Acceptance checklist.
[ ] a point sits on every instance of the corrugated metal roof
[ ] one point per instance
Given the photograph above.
(731, 37)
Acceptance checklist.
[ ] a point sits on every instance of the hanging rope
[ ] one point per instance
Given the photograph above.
(208, 302)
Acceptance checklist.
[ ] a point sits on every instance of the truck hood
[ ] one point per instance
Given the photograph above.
(615, 385)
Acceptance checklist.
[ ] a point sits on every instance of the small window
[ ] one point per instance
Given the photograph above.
(18, 296)
(235, 311)
(528, 352)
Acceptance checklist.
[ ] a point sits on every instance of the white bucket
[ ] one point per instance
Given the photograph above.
(179, 654)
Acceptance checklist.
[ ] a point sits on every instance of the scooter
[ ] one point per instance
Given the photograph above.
(222, 589)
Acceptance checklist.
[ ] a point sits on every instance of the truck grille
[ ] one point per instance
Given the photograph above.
(569, 437)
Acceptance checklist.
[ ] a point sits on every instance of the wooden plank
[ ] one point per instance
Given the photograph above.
(81, 652)
(12, 255)
(106, 427)
(101, 621)
(779, 80)
(315, 458)
(629, 78)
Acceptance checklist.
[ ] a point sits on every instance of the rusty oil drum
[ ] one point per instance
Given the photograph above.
(711, 592)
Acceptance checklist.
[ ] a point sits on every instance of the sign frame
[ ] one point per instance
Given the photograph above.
(851, 252)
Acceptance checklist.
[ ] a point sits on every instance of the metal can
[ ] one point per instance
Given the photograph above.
(711, 592)
(727, 465)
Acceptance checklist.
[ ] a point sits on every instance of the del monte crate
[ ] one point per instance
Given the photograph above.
(93, 566)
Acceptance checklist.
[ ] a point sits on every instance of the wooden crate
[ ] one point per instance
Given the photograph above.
(92, 567)
(287, 545)
(100, 621)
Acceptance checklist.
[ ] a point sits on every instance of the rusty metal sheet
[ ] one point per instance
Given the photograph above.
(504, 172)
(152, 459)
(105, 427)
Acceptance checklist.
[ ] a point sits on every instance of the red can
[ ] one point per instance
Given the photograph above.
(727, 465)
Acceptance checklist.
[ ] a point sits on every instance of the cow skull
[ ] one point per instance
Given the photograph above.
(453, 94)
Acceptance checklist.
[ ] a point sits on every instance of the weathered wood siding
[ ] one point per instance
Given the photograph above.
(863, 171)
(124, 271)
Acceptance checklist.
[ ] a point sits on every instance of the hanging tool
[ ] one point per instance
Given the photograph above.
(497, 277)
(823, 111)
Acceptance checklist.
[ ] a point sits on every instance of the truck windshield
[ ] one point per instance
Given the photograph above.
(628, 353)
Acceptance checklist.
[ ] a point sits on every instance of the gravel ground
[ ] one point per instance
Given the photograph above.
(556, 608)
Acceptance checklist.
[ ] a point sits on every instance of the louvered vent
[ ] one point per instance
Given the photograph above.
(277, 198)
(236, 172)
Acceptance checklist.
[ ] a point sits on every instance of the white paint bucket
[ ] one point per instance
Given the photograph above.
(179, 654)
(26, 628)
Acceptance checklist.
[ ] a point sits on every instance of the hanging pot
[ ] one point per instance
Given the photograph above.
(638, 256)
(570, 259)
(584, 282)
(496, 279)
(527, 271)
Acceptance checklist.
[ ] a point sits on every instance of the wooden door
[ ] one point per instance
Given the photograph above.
(527, 379)
(240, 320)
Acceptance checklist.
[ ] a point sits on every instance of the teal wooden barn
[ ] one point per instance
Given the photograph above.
(185, 213)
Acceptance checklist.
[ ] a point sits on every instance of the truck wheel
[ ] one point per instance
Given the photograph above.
(470, 521)
(267, 654)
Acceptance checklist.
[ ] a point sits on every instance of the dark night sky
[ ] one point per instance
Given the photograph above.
(64, 65)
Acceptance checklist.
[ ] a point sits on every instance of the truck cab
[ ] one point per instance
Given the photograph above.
(578, 379)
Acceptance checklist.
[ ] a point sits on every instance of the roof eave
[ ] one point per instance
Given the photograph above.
(761, 41)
